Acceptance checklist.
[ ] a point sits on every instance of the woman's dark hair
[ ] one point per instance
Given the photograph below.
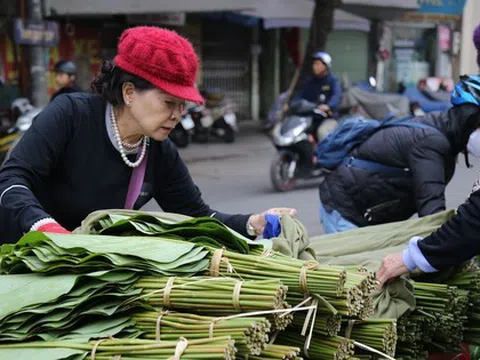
(109, 81)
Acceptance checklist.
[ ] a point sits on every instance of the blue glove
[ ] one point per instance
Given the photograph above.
(273, 227)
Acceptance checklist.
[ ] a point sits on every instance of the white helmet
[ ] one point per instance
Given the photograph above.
(323, 57)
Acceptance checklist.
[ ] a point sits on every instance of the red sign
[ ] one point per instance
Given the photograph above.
(444, 38)
(83, 46)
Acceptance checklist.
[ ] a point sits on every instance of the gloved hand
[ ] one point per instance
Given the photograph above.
(258, 221)
(53, 228)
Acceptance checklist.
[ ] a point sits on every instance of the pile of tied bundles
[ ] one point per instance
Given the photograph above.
(434, 312)
(148, 285)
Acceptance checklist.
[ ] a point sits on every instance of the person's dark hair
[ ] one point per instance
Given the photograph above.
(109, 81)
(476, 42)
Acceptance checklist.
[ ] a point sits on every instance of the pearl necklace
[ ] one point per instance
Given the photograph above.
(118, 139)
(132, 146)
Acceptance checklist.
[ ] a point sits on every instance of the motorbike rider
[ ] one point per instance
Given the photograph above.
(324, 88)
(65, 78)
(359, 195)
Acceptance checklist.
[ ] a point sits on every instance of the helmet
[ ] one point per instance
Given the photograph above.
(467, 91)
(65, 66)
(324, 57)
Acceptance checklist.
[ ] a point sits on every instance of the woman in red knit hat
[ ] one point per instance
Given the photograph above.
(110, 149)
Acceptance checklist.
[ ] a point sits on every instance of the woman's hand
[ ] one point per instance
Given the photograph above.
(391, 268)
(258, 221)
(53, 228)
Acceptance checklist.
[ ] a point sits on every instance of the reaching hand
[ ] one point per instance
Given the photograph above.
(391, 268)
(258, 221)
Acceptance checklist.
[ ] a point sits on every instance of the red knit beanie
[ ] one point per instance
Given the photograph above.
(162, 57)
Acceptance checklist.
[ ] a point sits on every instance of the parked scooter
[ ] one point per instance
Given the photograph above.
(217, 118)
(364, 99)
(182, 134)
(295, 140)
(23, 113)
(424, 100)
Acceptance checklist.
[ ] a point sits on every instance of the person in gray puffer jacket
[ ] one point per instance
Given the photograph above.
(352, 197)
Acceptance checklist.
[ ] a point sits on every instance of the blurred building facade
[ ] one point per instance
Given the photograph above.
(249, 49)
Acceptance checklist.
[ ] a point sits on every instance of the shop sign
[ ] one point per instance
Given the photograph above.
(36, 32)
(172, 19)
(451, 7)
(444, 38)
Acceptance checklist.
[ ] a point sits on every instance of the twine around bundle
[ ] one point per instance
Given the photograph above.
(180, 349)
(215, 262)
(236, 295)
(168, 290)
(308, 266)
(157, 324)
(97, 344)
(348, 330)
(211, 328)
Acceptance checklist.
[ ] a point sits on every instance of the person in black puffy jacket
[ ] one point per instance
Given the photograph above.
(458, 239)
(353, 197)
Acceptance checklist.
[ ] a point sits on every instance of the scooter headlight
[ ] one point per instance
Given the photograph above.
(291, 131)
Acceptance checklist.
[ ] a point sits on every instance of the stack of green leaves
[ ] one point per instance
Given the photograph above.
(59, 253)
(250, 333)
(380, 334)
(72, 306)
(204, 230)
(322, 348)
(218, 296)
(125, 349)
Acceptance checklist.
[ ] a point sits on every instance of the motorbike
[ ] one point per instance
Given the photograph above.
(364, 99)
(216, 118)
(296, 139)
(424, 100)
(182, 133)
(23, 113)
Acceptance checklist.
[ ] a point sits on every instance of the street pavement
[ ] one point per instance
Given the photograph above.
(234, 178)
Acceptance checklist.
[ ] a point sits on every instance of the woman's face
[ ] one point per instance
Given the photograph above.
(156, 112)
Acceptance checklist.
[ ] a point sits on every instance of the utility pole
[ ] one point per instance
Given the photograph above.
(38, 68)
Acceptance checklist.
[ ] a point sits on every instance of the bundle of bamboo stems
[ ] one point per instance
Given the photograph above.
(278, 352)
(380, 334)
(326, 325)
(218, 296)
(250, 333)
(468, 278)
(448, 305)
(301, 277)
(327, 320)
(133, 349)
(412, 334)
(336, 347)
